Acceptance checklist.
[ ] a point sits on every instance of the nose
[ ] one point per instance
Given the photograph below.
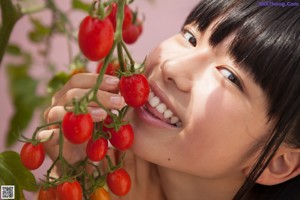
(180, 71)
(173, 72)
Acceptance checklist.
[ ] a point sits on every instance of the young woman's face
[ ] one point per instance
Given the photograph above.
(215, 114)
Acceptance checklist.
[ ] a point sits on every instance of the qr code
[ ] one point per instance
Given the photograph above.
(7, 192)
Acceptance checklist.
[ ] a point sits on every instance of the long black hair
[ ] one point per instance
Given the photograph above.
(267, 45)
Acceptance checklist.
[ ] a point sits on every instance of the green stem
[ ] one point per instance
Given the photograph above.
(101, 10)
(121, 58)
(60, 153)
(92, 93)
(95, 99)
(43, 126)
(50, 169)
(120, 18)
(132, 62)
(10, 15)
(105, 64)
(117, 40)
(96, 167)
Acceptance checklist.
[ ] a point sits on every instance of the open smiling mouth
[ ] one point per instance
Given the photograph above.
(159, 110)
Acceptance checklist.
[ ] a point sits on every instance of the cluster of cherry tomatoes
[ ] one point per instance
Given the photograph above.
(96, 39)
(96, 48)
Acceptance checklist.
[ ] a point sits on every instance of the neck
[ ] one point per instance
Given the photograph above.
(176, 185)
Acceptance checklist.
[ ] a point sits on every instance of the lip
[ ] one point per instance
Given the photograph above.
(150, 119)
(144, 114)
(162, 96)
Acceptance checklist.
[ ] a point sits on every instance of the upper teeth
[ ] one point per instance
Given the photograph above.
(161, 107)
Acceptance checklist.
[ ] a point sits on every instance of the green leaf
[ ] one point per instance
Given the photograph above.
(24, 178)
(57, 82)
(77, 4)
(40, 31)
(7, 178)
(14, 173)
(9, 16)
(13, 49)
(24, 97)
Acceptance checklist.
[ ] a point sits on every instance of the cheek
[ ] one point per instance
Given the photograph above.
(217, 138)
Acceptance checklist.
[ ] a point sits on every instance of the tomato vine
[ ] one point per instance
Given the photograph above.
(111, 129)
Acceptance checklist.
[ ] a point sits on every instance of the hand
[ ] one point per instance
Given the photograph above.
(76, 87)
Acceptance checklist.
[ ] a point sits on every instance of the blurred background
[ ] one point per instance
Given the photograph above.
(163, 18)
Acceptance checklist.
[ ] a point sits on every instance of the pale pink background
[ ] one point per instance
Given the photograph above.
(163, 19)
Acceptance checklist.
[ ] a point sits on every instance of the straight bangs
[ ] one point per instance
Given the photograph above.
(266, 44)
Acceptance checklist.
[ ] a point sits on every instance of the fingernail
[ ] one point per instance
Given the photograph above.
(116, 100)
(97, 113)
(112, 80)
(44, 134)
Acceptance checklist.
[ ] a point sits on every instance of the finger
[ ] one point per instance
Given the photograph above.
(50, 146)
(107, 99)
(87, 81)
(55, 114)
(98, 114)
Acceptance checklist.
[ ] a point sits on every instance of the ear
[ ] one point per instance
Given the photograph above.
(284, 165)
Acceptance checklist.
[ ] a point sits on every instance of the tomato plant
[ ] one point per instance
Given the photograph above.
(96, 149)
(100, 194)
(47, 193)
(32, 156)
(135, 89)
(77, 128)
(131, 33)
(95, 37)
(69, 190)
(101, 34)
(127, 15)
(122, 135)
(112, 68)
(119, 182)
(122, 139)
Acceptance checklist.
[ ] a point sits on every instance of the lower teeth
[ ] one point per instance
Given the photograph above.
(177, 124)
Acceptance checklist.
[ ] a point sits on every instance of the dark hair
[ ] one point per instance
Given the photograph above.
(267, 45)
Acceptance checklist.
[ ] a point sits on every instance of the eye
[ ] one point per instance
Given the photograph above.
(231, 77)
(189, 37)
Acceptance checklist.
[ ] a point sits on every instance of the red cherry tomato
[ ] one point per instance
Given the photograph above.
(127, 15)
(47, 194)
(95, 37)
(69, 191)
(96, 149)
(131, 34)
(111, 69)
(77, 128)
(135, 89)
(100, 194)
(32, 156)
(119, 182)
(123, 138)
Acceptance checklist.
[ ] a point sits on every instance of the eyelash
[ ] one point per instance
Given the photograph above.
(192, 40)
(231, 77)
